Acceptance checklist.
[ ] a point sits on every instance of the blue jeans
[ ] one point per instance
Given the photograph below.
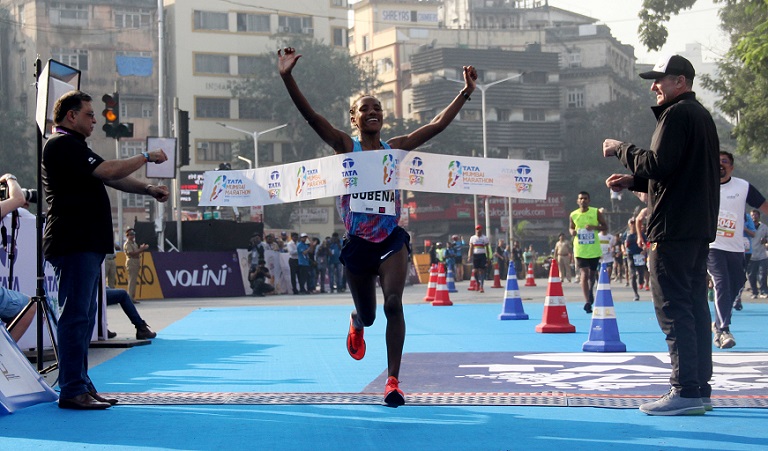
(334, 276)
(115, 296)
(78, 278)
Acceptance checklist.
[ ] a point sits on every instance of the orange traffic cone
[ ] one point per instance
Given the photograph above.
(555, 317)
(432, 285)
(472, 282)
(441, 295)
(496, 276)
(529, 280)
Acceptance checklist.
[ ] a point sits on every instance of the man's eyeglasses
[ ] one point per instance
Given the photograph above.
(90, 114)
(725, 161)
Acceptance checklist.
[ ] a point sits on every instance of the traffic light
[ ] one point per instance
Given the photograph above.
(111, 114)
(112, 126)
(183, 133)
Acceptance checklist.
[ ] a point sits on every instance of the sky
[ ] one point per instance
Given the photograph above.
(698, 24)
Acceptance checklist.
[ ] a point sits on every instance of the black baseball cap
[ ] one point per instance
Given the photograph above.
(670, 65)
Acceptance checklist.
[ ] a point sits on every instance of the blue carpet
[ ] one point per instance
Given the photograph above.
(301, 349)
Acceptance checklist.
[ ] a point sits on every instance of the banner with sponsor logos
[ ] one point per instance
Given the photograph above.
(380, 170)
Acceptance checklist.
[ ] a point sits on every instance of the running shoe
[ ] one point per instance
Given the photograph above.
(355, 341)
(393, 396)
(674, 404)
(726, 340)
(737, 305)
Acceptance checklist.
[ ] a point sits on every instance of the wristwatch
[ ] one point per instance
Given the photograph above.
(146, 156)
(12, 177)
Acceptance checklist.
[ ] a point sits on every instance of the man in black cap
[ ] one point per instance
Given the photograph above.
(680, 174)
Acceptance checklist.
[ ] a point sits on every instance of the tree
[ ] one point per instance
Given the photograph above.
(329, 78)
(18, 156)
(741, 81)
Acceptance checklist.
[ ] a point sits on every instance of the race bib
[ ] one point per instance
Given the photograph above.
(726, 224)
(638, 259)
(373, 202)
(585, 236)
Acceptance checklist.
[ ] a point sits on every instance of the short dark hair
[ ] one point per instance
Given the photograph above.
(584, 193)
(727, 154)
(73, 100)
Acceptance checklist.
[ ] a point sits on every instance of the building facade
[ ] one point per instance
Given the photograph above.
(113, 43)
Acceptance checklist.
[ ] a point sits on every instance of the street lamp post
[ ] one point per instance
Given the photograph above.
(483, 88)
(255, 136)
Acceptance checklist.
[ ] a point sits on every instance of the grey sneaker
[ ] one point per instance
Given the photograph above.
(726, 340)
(707, 403)
(672, 404)
(718, 339)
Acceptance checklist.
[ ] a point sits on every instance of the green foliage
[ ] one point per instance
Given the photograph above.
(653, 18)
(741, 80)
(17, 136)
(327, 77)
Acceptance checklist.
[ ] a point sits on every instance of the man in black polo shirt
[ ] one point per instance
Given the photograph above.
(78, 234)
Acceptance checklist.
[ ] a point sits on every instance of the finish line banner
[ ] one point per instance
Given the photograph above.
(379, 170)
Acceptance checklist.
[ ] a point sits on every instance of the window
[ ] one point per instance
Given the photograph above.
(384, 65)
(131, 147)
(131, 200)
(136, 109)
(61, 13)
(470, 115)
(254, 23)
(250, 64)
(535, 115)
(209, 20)
(133, 18)
(339, 3)
(339, 37)
(502, 115)
(77, 58)
(366, 43)
(295, 25)
(21, 18)
(575, 98)
(214, 151)
(206, 63)
(252, 109)
(574, 59)
(212, 107)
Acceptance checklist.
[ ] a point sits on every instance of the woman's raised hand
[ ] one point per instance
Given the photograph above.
(286, 60)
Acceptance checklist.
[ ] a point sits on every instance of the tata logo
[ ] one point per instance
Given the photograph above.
(235, 181)
(416, 162)
(523, 169)
(312, 171)
(348, 163)
(351, 173)
(416, 171)
(274, 185)
(274, 175)
(472, 168)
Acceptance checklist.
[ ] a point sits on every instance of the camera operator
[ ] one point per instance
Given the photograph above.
(78, 234)
(12, 196)
(12, 302)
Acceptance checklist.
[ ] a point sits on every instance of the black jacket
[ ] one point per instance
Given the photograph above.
(680, 172)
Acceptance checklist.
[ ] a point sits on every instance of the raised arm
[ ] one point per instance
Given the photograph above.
(337, 139)
(441, 121)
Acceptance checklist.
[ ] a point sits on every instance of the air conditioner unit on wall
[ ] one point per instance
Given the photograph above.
(283, 29)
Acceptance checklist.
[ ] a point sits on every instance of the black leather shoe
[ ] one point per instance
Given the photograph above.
(95, 395)
(143, 332)
(111, 334)
(83, 402)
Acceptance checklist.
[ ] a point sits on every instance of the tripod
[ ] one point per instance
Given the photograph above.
(39, 300)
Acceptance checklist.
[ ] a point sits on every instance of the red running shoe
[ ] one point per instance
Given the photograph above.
(355, 341)
(393, 396)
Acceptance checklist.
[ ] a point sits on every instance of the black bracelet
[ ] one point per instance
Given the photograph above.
(465, 95)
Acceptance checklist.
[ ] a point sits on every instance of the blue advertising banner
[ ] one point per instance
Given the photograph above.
(198, 274)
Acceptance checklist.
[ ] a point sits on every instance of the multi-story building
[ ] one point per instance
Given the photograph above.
(113, 43)
(216, 44)
(570, 64)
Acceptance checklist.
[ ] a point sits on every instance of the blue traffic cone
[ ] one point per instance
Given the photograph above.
(513, 304)
(604, 331)
(450, 282)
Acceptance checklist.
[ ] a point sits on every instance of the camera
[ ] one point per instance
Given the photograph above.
(30, 195)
